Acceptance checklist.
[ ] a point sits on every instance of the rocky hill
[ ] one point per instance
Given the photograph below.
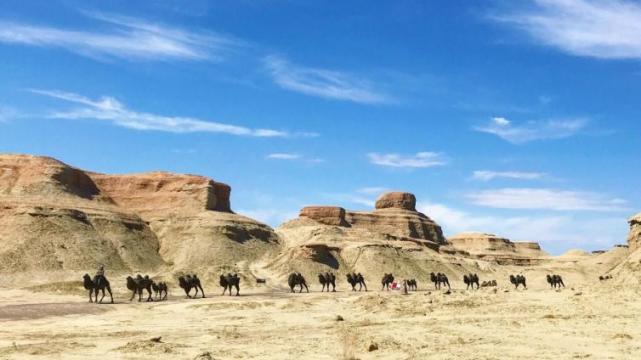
(57, 217)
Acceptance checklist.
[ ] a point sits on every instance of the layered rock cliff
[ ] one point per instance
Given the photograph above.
(495, 248)
(57, 217)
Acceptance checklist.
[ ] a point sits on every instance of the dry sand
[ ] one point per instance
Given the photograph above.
(591, 320)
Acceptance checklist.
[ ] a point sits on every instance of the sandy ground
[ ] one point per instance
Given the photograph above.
(595, 321)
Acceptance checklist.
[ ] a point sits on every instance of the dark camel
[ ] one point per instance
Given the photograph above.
(297, 279)
(189, 282)
(555, 281)
(99, 283)
(470, 280)
(411, 285)
(137, 285)
(160, 290)
(230, 281)
(354, 279)
(326, 280)
(439, 279)
(518, 280)
(386, 281)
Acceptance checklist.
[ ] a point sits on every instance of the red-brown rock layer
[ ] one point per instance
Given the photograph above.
(396, 200)
(328, 215)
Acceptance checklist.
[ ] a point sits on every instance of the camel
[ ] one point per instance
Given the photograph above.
(386, 281)
(160, 290)
(470, 280)
(297, 279)
(99, 283)
(518, 280)
(605, 277)
(411, 284)
(137, 285)
(488, 283)
(189, 282)
(440, 279)
(555, 281)
(230, 281)
(326, 280)
(354, 279)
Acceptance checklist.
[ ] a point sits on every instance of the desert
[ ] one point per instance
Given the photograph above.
(60, 222)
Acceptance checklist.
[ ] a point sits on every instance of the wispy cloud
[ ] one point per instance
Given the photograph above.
(129, 39)
(601, 29)
(423, 159)
(283, 156)
(293, 157)
(532, 130)
(322, 82)
(111, 110)
(372, 190)
(556, 232)
(7, 113)
(487, 175)
(549, 199)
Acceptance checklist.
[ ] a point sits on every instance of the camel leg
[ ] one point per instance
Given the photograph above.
(133, 293)
(224, 289)
(333, 287)
(90, 296)
(103, 294)
(110, 294)
(202, 291)
(150, 297)
(237, 290)
(306, 288)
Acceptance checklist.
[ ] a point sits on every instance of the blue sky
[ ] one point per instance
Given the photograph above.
(517, 119)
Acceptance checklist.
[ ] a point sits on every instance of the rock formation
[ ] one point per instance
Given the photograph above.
(395, 216)
(394, 237)
(396, 200)
(492, 247)
(56, 217)
(328, 215)
(634, 236)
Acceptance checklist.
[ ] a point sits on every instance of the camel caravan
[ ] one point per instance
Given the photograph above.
(149, 290)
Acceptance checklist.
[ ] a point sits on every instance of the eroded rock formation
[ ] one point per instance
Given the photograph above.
(634, 236)
(492, 247)
(395, 216)
(56, 217)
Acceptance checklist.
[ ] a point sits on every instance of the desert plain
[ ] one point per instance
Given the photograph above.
(59, 222)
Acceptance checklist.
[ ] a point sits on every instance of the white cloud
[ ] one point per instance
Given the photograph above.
(372, 190)
(487, 175)
(294, 157)
(423, 159)
(7, 113)
(283, 156)
(129, 38)
(601, 29)
(532, 130)
(550, 199)
(321, 82)
(111, 110)
(556, 233)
